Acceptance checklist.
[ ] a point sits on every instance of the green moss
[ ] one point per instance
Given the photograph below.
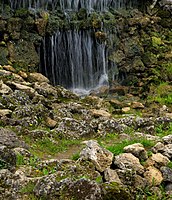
(161, 94)
(156, 41)
(114, 191)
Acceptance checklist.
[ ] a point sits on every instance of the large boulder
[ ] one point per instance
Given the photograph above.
(153, 176)
(100, 157)
(127, 161)
(137, 150)
(81, 189)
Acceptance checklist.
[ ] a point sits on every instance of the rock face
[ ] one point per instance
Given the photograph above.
(99, 156)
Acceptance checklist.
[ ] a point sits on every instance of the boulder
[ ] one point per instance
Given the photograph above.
(157, 160)
(45, 89)
(137, 105)
(5, 112)
(111, 176)
(168, 189)
(114, 191)
(23, 74)
(50, 122)
(126, 109)
(37, 77)
(166, 173)
(4, 89)
(137, 150)
(167, 139)
(128, 161)
(159, 147)
(10, 139)
(82, 189)
(9, 68)
(116, 104)
(100, 113)
(153, 176)
(7, 158)
(28, 90)
(100, 157)
(167, 151)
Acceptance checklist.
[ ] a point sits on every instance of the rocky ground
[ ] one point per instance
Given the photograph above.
(57, 145)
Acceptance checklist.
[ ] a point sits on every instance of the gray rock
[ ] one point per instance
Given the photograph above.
(10, 139)
(167, 174)
(100, 157)
(167, 139)
(81, 189)
(168, 189)
(167, 151)
(7, 158)
(137, 150)
(111, 176)
(128, 161)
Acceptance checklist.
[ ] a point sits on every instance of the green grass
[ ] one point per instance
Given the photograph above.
(118, 148)
(163, 130)
(28, 188)
(75, 156)
(20, 159)
(49, 146)
(162, 94)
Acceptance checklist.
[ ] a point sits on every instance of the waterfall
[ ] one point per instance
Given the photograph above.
(72, 5)
(76, 60)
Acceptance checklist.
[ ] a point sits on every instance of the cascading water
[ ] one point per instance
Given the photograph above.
(77, 60)
(72, 5)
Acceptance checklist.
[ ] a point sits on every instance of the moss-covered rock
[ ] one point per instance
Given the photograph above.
(115, 191)
(3, 55)
(24, 53)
